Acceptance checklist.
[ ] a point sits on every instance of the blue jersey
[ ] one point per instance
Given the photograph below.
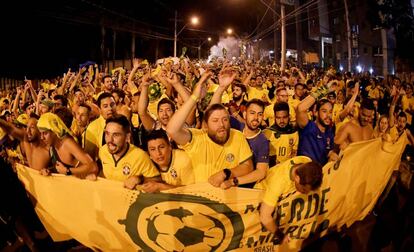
(314, 143)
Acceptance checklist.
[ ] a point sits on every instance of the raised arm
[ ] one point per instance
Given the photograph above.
(145, 117)
(15, 107)
(350, 104)
(175, 127)
(246, 81)
(12, 130)
(226, 77)
(395, 95)
(302, 109)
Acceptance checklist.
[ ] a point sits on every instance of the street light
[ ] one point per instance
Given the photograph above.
(229, 31)
(194, 21)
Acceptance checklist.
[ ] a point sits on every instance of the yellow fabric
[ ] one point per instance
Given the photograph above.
(208, 157)
(52, 122)
(293, 102)
(94, 135)
(254, 93)
(23, 119)
(278, 181)
(107, 217)
(135, 120)
(336, 110)
(2, 133)
(408, 104)
(180, 171)
(152, 106)
(225, 98)
(284, 147)
(135, 162)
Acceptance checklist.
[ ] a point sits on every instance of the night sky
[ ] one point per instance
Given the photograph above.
(42, 39)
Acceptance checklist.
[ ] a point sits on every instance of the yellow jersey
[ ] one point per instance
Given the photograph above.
(278, 180)
(94, 136)
(180, 172)
(254, 93)
(282, 145)
(208, 158)
(135, 162)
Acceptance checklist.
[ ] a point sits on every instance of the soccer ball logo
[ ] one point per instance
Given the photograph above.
(176, 222)
(182, 230)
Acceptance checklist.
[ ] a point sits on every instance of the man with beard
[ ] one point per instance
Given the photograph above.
(35, 151)
(316, 138)
(121, 160)
(257, 142)
(281, 96)
(94, 135)
(237, 105)
(218, 153)
(107, 86)
(283, 137)
(357, 130)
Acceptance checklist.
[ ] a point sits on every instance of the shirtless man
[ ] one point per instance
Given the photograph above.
(67, 156)
(34, 150)
(357, 130)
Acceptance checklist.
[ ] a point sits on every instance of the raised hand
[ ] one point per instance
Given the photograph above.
(226, 77)
(200, 89)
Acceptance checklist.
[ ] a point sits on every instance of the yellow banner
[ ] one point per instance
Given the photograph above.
(103, 215)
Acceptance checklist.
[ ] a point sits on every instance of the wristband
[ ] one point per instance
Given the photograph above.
(227, 173)
(194, 98)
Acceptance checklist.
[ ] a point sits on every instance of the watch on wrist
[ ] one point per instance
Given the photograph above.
(235, 181)
(227, 172)
(68, 171)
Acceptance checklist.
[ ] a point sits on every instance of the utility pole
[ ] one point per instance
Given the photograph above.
(299, 48)
(175, 34)
(283, 38)
(384, 52)
(275, 35)
(348, 34)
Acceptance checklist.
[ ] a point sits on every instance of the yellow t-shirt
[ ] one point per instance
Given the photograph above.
(269, 114)
(283, 146)
(209, 158)
(278, 181)
(180, 172)
(94, 135)
(408, 103)
(135, 162)
(225, 98)
(254, 93)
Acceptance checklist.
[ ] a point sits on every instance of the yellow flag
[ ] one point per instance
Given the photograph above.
(103, 215)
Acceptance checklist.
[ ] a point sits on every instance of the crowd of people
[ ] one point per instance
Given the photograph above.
(178, 122)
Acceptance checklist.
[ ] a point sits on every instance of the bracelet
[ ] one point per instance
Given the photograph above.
(194, 98)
